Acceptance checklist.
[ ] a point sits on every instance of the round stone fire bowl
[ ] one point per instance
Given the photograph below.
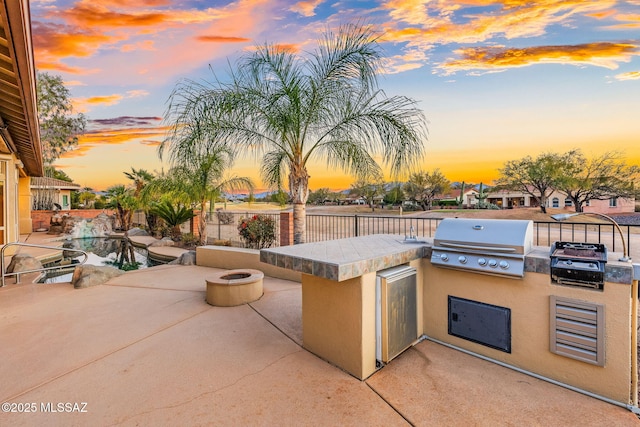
(234, 287)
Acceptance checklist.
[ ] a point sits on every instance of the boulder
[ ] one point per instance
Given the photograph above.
(165, 241)
(136, 231)
(23, 262)
(86, 276)
(187, 258)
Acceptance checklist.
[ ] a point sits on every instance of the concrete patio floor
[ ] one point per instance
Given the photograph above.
(146, 349)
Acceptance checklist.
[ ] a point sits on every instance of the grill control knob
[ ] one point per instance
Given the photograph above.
(504, 265)
(462, 259)
(493, 263)
(482, 261)
(444, 257)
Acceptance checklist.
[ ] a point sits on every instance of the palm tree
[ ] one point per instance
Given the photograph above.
(198, 179)
(141, 178)
(122, 200)
(173, 216)
(291, 110)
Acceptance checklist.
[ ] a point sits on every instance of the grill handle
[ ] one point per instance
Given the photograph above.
(476, 248)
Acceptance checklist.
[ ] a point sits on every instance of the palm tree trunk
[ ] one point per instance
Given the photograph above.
(299, 186)
(299, 223)
(202, 224)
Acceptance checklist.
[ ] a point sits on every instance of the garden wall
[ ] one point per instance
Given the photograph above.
(42, 219)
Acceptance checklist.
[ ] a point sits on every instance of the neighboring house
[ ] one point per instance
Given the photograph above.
(469, 197)
(20, 148)
(52, 191)
(514, 199)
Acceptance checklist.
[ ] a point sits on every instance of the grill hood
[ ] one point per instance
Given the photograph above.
(485, 235)
(486, 246)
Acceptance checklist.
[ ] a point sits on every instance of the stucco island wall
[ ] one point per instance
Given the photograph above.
(339, 318)
(338, 309)
(529, 302)
(232, 258)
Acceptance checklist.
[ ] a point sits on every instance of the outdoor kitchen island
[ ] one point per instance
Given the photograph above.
(339, 312)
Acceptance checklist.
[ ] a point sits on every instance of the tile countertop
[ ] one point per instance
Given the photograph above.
(344, 259)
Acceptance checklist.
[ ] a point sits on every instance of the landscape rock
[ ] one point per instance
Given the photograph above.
(165, 241)
(86, 276)
(23, 262)
(187, 258)
(136, 231)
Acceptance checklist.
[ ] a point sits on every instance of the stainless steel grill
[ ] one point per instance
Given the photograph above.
(486, 246)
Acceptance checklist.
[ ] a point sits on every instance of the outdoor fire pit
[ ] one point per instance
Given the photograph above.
(234, 287)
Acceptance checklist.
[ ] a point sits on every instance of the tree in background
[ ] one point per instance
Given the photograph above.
(52, 172)
(319, 196)
(198, 178)
(537, 177)
(600, 178)
(59, 127)
(369, 189)
(422, 187)
(280, 197)
(289, 110)
(86, 197)
(395, 195)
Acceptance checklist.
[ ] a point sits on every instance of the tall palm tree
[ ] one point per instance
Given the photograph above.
(200, 178)
(290, 110)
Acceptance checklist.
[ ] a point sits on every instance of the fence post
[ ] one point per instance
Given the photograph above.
(286, 228)
(356, 224)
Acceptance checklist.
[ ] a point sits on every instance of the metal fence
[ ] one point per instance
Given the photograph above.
(223, 226)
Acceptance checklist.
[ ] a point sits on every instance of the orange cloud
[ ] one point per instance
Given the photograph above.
(54, 41)
(83, 104)
(88, 13)
(306, 8)
(136, 3)
(606, 55)
(410, 60)
(59, 66)
(288, 47)
(427, 24)
(222, 39)
(628, 21)
(116, 136)
(107, 100)
(631, 75)
(144, 45)
(91, 14)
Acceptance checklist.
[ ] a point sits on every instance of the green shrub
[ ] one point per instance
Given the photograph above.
(189, 239)
(257, 232)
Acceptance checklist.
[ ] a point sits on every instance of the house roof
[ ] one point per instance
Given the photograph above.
(19, 130)
(44, 182)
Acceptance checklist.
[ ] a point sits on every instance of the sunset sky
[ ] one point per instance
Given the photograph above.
(497, 80)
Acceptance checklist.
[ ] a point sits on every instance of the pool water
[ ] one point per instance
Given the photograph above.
(100, 251)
